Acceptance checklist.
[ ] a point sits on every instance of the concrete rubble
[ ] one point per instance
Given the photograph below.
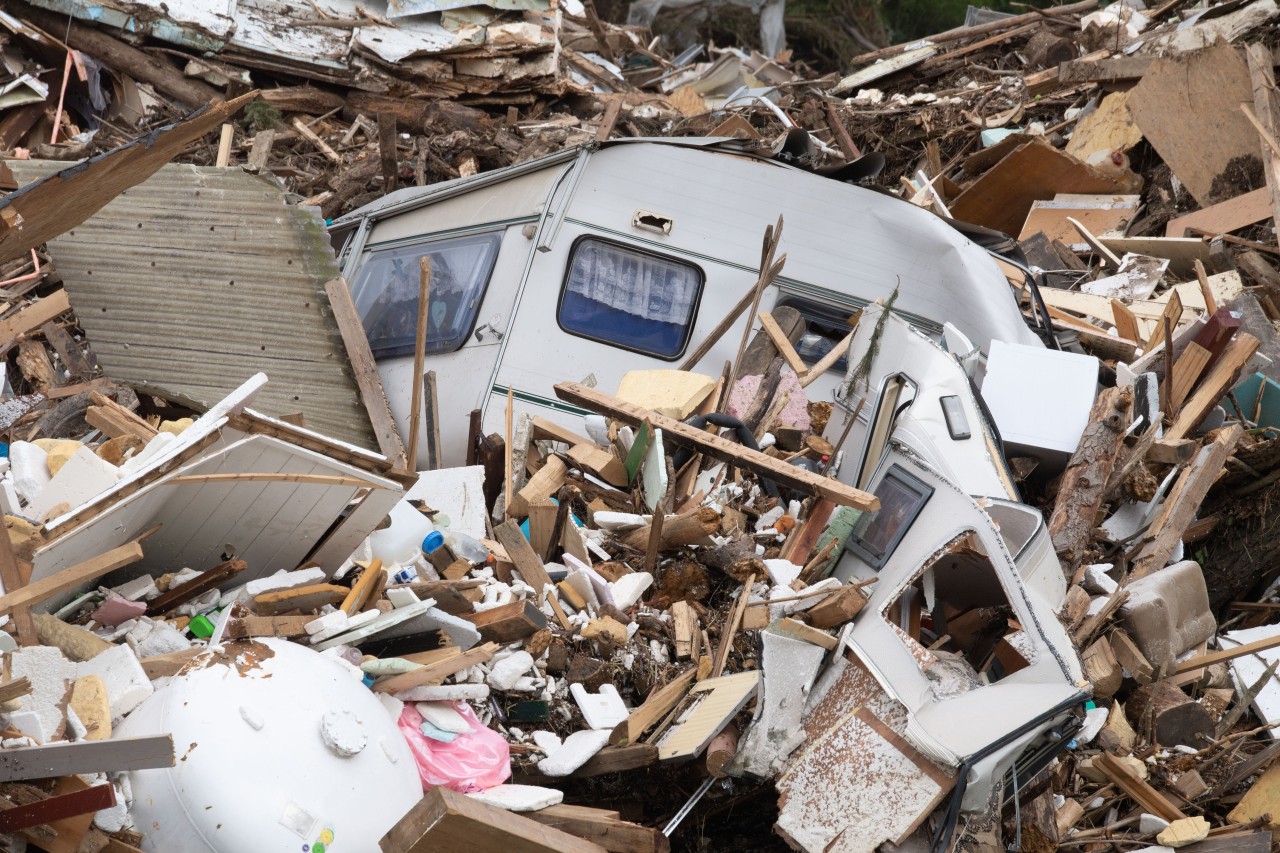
(992, 565)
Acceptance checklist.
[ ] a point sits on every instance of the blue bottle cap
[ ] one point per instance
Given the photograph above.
(433, 541)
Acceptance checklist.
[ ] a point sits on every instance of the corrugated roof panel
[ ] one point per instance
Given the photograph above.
(196, 279)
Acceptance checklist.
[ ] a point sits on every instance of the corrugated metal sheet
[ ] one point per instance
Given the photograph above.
(196, 279)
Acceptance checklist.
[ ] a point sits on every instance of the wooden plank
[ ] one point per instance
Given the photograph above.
(1180, 251)
(611, 759)
(602, 827)
(419, 354)
(708, 707)
(545, 430)
(437, 671)
(783, 344)
(86, 756)
(658, 704)
(1179, 508)
(12, 578)
(365, 371)
(542, 485)
(446, 820)
(431, 408)
(1002, 197)
(267, 626)
(521, 553)
(1103, 70)
(828, 361)
(1186, 370)
(183, 593)
(510, 622)
(719, 448)
(1101, 214)
(170, 663)
(300, 598)
(730, 629)
(1169, 318)
(1225, 655)
(798, 630)
(1217, 382)
(1126, 324)
(57, 808)
(26, 320)
(363, 587)
(1184, 99)
(1225, 216)
(73, 356)
(603, 463)
(71, 577)
(1151, 800)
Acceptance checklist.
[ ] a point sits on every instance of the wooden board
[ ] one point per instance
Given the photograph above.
(86, 756)
(709, 707)
(1104, 70)
(31, 317)
(1188, 98)
(57, 807)
(1002, 198)
(510, 622)
(445, 820)
(1101, 214)
(1182, 252)
(719, 448)
(1108, 128)
(1225, 216)
(69, 578)
(655, 707)
(603, 827)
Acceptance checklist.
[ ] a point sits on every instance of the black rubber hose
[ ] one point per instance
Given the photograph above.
(744, 436)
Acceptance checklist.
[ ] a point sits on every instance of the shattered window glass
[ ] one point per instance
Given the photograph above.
(385, 291)
(629, 298)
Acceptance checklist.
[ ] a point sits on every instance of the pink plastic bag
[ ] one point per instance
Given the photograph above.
(472, 762)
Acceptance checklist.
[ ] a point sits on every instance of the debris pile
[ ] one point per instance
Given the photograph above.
(936, 565)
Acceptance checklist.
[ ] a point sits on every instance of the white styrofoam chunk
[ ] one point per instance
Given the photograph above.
(337, 618)
(456, 492)
(30, 468)
(506, 672)
(285, 580)
(602, 710)
(519, 798)
(782, 572)
(84, 476)
(151, 637)
(50, 674)
(401, 596)
(627, 589)
(577, 749)
(126, 680)
(444, 716)
(445, 693)
(30, 724)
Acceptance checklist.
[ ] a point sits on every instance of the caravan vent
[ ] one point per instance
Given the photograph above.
(647, 221)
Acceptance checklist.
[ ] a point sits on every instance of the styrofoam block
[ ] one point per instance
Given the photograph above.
(577, 749)
(151, 637)
(325, 622)
(380, 623)
(155, 447)
(627, 589)
(285, 580)
(444, 716)
(456, 492)
(602, 710)
(461, 633)
(506, 672)
(51, 675)
(1096, 579)
(401, 596)
(126, 680)
(84, 476)
(30, 468)
(519, 798)
(353, 623)
(782, 572)
(143, 586)
(9, 501)
(30, 724)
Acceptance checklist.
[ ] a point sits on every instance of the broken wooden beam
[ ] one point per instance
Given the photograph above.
(510, 622)
(86, 756)
(719, 448)
(70, 578)
(197, 586)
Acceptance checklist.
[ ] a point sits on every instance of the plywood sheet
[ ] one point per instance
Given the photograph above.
(1103, 215)
(1226, 216)
(1181, 252)
(1188, 107)
(1108, 128)
(856, 787)
(1002, 198)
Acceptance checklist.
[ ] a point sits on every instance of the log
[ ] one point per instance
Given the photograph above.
(126, 59)
(687, 528)
(1084, 482)
(1174, 718)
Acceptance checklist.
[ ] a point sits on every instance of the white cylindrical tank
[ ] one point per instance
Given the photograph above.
(278, 748)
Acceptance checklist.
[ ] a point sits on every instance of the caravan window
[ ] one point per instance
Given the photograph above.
(825, 326)
(629, 298)
(385, 291)
(875, 535)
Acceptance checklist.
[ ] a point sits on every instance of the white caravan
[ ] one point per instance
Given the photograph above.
(595, 261)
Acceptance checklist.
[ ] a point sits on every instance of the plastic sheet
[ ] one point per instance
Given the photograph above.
(474, 761)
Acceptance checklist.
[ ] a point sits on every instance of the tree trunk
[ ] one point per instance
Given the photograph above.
(1084, 482)
(1169, 715)
(684, 529)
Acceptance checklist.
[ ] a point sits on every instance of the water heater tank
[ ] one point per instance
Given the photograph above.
(279, 750)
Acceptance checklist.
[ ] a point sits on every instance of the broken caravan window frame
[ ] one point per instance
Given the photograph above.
(489, 234)
(689, 323)
(857, 542)
(817, 315)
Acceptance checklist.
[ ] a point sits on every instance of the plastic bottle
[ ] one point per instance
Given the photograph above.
(469, 548)
(400, 542)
